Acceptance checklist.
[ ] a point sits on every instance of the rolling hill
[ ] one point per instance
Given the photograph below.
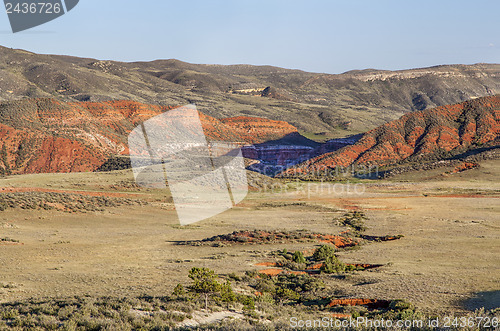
(321, 105)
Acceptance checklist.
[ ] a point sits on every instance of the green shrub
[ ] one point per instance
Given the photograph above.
(333, 265)
(10, 314)
(286, 294)
(247, 301)
(354, 220)
(265, 298)
(178, 290)
(298, 257)
(351, 267)
(322, 253)
(298, 283)
(226, 293)
(400, 305)
(265, 285)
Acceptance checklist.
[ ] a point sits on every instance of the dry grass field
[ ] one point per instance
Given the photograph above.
(447, 262)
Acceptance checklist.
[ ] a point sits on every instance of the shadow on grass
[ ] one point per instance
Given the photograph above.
(488, 300)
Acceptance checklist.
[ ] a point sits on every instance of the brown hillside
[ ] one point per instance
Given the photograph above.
(336, 105)
(422, 135)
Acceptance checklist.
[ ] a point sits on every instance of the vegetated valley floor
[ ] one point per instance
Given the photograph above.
(447, 261)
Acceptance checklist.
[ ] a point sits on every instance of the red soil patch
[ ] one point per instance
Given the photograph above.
(271, 272)
(338, 241)
(342, 316)
(276, 272)
(315, 267)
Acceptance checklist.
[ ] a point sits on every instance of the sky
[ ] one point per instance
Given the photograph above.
(315, 35)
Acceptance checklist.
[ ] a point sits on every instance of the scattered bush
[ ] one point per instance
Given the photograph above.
(265, 285)
(62, 201)
(286, 294)
(323, 252)
(298, 257)
(354, 220)
(247, 301)
(178, 291)
(399, 305)
(333, 265)
(226, 293)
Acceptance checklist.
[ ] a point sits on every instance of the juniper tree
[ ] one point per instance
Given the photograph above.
(205, 282)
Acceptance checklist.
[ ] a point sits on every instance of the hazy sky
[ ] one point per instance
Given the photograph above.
(314, 35)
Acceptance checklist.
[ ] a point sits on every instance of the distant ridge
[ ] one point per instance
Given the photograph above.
(340, 105)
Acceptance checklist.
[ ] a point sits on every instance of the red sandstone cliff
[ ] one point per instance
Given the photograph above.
(420, 135)
(45, 135)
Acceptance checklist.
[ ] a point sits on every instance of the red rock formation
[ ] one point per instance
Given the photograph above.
(46, 135)
(258, 130)
(416, 136)
(464, 166)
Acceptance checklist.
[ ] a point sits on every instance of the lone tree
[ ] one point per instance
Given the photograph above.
(205, 282)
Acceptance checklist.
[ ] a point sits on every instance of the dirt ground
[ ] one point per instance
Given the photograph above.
(447, 261)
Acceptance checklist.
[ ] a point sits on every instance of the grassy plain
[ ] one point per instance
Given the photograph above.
(447, 262)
